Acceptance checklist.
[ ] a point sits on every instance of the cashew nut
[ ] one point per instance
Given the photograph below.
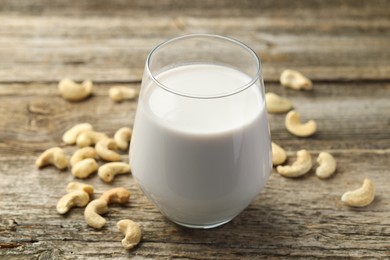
(75, 92)
(120, 93)
(294, 125)
(88, 138)
(93, 211)
(76, 198)
(278, 154)
(361, 197)
(327, 165)
(301, 166)
(132, 233)
(71, 135)
(277, 104)
(53, 156)
(83, 153)
(77, 186)
(104, 149)
(295, 80)
(100, 206)
(108, 171)
(116, 195)
(84, 168)
(122, 138)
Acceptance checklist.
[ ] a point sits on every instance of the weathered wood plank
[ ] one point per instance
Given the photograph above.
(325, 45)
(349, 116)
(225, 8)
(301, 218)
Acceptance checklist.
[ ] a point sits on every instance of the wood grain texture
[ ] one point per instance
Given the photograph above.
(341, 45)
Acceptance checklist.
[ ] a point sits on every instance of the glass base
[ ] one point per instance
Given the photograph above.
(201, 226)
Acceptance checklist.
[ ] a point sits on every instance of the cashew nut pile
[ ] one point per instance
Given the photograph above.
(74, 92)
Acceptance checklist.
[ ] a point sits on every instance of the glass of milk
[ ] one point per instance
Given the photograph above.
(200, 149)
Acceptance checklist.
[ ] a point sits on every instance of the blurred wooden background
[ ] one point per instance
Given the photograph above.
(343, 46)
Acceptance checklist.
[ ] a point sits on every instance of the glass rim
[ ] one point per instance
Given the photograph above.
(215, 36)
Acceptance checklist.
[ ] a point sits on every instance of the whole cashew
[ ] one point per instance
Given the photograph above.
(53, 156)
(74, 92)
(116, 195)
(83, 153)
(84, 168)
(120, 93)
(100, 206)
(88, 138)
(295, 80)
(294, 125)
(300, 167)
(278, 154)
(361, 197)
(327, 165)
(108, 171)
(70, 135)
(104, 150)
(132, 233)
(122, 138)
(78, 186)
(76, 198)
(277, 104)
(93, 211)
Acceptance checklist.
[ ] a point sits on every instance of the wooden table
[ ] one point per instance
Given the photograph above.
(343, 46)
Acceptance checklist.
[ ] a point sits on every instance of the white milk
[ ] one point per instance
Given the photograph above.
(201, 161)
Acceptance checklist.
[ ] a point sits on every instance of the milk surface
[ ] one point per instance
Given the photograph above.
(201, 161)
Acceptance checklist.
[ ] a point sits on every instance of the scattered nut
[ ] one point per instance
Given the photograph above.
(279, 155)
(295, 80)
(294, 125)
(116, 195)
(83, 153)
(132, 233)
(88, 138)
(84, 168)
(75, 92)
(301, 166)
(120, 93)
(361, 197)
(277, 104)
(76, 198)
(104, 149)
(327, 165)
(108, 171)
(122, 138)
(76, 186)
(71, 135)
(53, 156)
(93, 211)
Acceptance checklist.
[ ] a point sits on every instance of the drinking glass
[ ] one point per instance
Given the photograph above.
(200, 149)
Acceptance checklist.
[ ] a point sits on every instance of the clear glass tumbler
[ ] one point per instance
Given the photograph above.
(200, 149)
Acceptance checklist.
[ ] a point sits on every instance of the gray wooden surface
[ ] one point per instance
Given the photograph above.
(342, 45)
